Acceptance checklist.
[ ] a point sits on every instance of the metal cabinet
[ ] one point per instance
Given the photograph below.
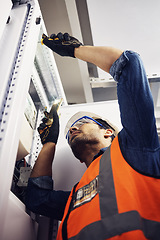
(26, 67)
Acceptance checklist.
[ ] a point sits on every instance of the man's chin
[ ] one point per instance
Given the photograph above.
(74, 142)
(77, 147)
(72, 139)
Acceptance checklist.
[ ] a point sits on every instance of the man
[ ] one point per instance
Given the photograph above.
(118, 197)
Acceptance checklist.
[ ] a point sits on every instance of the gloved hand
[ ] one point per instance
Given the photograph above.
(62, 44)
(49, 133)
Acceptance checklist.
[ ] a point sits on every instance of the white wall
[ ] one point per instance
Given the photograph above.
(128, 24)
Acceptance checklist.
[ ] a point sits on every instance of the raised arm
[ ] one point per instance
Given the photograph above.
(66, 45)
(139, 133)
(40, 197)
(134, 95)
(49, 136)
(102, 57)
(43, 164)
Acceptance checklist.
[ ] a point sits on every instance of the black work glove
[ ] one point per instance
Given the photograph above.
(49, 133)
(62, 44)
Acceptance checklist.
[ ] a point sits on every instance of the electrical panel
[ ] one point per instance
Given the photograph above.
(30, 82)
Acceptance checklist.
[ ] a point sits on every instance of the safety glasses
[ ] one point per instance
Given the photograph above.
(79, 122)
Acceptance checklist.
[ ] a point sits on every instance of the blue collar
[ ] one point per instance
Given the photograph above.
(100, 153)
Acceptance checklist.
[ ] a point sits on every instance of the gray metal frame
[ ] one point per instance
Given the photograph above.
(18, 49)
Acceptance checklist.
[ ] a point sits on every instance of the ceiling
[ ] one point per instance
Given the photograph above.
(125, 24)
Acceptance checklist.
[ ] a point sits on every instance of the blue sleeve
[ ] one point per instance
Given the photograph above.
(139, 133)
(43, 200)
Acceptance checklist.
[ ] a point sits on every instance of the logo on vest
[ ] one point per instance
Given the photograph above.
(85, 194)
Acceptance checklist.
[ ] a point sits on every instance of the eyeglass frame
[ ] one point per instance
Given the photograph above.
(67, 135)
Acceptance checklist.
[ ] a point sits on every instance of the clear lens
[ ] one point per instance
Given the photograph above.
(79, 123)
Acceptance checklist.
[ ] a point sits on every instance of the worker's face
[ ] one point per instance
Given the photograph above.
(87, 134)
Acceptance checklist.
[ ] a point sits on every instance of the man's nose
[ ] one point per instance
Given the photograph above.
(72, 129)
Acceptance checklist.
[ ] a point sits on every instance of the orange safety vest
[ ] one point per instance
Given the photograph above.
(112, 201)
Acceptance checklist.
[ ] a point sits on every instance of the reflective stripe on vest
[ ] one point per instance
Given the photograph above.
(113, 223)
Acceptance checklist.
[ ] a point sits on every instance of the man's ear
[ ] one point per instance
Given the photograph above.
(108, 133)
